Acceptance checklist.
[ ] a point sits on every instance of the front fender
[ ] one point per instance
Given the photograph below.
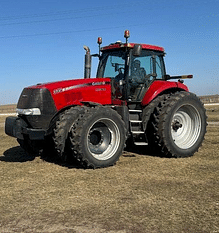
(158, 87)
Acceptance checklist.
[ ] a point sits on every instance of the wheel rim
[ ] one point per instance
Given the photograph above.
(103, 139)
(186, 126)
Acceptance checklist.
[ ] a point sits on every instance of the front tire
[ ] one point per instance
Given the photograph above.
(98, 137)
(62, 128)
(179, 125)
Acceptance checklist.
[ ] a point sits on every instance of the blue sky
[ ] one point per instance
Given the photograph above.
(42, 41)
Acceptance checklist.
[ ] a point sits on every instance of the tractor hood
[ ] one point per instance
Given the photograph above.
(74, 92)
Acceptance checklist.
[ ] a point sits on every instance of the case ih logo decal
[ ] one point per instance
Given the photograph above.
(60, 90)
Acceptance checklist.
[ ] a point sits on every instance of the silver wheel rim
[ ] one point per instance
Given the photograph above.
(103, 139)
(186, 126)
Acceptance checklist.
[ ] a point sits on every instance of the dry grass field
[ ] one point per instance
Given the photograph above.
(9, 108)
(141, 193)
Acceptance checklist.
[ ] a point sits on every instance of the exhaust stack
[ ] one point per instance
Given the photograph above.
(87, 63)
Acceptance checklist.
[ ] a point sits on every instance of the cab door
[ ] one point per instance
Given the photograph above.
(113, 66)
(143, 71)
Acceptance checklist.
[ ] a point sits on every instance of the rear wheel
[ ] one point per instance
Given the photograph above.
(186, 126)
(98, 137)
(179, 125)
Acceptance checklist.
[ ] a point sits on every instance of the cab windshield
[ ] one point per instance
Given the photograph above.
(112, 65)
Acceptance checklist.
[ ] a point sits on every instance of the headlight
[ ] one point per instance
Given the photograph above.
(30, 111)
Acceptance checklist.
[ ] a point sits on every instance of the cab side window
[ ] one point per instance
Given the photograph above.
(140, 67)
(159, 68)
(114, 67)
(143, 71)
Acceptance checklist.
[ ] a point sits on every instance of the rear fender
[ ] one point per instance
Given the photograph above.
(157, 87)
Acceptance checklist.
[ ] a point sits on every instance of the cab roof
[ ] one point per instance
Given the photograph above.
(119, 45)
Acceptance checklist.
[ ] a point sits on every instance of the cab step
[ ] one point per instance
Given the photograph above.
(137, 132)
(141, 143)
(136, 127)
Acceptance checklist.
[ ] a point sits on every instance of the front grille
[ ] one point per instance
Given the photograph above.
(37, 98)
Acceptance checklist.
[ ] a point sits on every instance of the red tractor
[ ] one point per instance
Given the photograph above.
(130, 100)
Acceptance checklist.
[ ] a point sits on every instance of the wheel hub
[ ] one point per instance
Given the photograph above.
(176, 125)
(103, 139)
(96, 137)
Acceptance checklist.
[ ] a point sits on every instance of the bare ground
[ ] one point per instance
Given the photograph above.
(141, 193)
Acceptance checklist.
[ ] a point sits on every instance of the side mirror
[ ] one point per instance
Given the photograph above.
(137, 50)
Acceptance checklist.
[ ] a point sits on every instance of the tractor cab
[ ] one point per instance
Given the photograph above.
(132, 68)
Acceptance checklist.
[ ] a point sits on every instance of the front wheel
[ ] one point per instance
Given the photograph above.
(98, 137)
(62, 128)
(179, 125)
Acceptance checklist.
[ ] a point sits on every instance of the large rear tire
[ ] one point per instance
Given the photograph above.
(98, 137)
(179, 125)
